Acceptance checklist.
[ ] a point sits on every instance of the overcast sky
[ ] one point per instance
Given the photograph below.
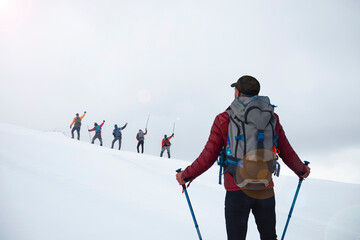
(175, 60)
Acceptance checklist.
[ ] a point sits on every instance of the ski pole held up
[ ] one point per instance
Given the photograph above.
(174, 128)
(147, 121)
(89, 133)
(191, 209)
(293, 203)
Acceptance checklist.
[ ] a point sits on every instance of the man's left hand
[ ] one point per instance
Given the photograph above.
(179, 178)
(307, 173)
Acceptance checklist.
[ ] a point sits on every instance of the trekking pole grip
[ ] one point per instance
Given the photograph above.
(306, 164)
(183, 186)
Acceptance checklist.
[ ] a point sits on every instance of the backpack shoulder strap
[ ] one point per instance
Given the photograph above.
(229, 111)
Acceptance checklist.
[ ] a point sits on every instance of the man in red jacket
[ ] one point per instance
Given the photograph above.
(239, 202)
(141, 137)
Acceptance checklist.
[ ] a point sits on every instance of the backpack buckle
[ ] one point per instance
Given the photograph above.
(260, 136)
(240, 137)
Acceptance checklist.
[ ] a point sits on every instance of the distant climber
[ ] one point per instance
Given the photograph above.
(97, 129)
(77, 125)
(117, 135)
(140, 137)
(165, 144)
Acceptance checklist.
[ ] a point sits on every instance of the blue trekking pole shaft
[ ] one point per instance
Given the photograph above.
(293, 203)
(191, 209)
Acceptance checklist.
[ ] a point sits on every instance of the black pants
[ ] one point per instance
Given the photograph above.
(140, 143)
(113, 142)
(97, 136)
(237, 209)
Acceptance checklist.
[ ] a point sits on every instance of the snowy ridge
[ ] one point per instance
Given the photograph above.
(53, 187)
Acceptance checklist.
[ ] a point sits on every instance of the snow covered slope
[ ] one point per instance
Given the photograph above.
(56, 188)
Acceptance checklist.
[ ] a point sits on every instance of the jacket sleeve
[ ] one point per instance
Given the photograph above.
(72, 122)
(91, 129)
(102, 124)
(137, 136)
(123, 127)
(287, 153)
(145, 132)
(82, 116)
(211, 150)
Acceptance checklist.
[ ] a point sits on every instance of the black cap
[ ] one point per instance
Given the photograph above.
(247, 85)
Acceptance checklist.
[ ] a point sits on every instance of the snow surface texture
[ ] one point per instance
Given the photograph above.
(56, 188)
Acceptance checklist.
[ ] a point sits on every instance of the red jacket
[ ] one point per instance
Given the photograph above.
(99, 130)
(218, 138)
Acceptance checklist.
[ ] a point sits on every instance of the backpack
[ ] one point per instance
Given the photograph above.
(250, 153)
(117, 132)
(167, 142)
(141, 135)
(98, 130)
(77, 121)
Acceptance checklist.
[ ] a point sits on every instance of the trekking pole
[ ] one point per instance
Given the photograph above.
(147, 121)
(174, 128)
(293, 203)
(191, 209)
(89, 133)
